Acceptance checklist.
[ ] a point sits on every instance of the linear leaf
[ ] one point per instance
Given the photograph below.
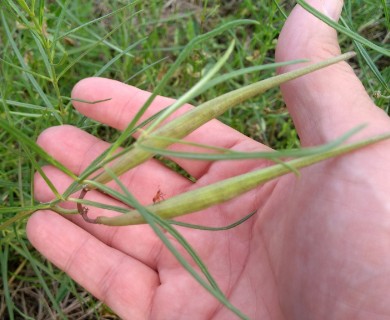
(23, 104)
(43, 283)
(189, 121)
(44, 56)
(76, 60)
(60, 20)
(154, 222)
(197, 89)
(28, 75)
(355, 36)
(363, 52)
(24, 70)
(188, 49)
(95, 35)
(96, 20)
(199, 227)
(245, 71)
(25, 140)
(117, 57)
(230, 188)
(227, 154)
(144, 69)
(4, 250)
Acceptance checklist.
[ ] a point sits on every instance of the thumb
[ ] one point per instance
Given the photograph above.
(329, 102)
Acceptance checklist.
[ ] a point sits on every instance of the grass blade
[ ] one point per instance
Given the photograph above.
(92, 33)
(205, 228)
(95, 20)
(117, 57)
(363, 52)
(25, 67)
(4, 276)
(342, 29)
(31, 145)
(225, 77)
(26, 253)
(60, 20)
(144, 69)
(27, 71)
(385, 6)
(76, 60)
(23, 105)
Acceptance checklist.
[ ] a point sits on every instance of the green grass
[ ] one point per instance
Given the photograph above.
(136, 45)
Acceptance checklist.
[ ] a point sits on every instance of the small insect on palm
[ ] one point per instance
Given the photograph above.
(158, 197)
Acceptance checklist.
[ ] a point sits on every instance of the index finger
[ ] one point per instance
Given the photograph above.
(125, 101)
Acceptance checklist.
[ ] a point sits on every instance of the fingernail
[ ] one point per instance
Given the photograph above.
(332, 8)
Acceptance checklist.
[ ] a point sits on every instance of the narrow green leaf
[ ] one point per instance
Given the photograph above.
(25, 7)
(363, 52)
(31, 145)
(21, 15)
(197, 89)
(342, 29)
(99, 205)
(385, 6)
(96, 20)
(24, 66)
(15, 218)
(144, 69)
(93, 34)
(23, 104)
(26, 115)
(27, 71)
(225, 77)
(186, 123)
(4, 276)
(76, 60)
(199, 227)
(61, 61)
(117, 57)
(41, 11)
(38, 169)
(30, 209)
(41, 279)
(185, 52)
(60, 20)
(280, 9)
(85, 101)
(219, 192)
(44, 56)
(227, 154)
(155, 223)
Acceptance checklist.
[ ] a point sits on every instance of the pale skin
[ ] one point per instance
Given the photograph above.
(318, 247)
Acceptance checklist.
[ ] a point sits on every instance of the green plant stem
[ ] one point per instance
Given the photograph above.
(183, 125)
(222, 191)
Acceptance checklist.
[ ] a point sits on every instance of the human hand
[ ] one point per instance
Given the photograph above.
(317, 247)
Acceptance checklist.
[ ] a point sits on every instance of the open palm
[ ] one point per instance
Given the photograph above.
(318, 247)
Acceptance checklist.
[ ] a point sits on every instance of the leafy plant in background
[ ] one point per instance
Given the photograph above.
(42, 103)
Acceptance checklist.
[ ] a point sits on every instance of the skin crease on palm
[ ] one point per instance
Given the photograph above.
(318, 247)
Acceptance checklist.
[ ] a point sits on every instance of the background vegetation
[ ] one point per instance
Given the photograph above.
(135, 45)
